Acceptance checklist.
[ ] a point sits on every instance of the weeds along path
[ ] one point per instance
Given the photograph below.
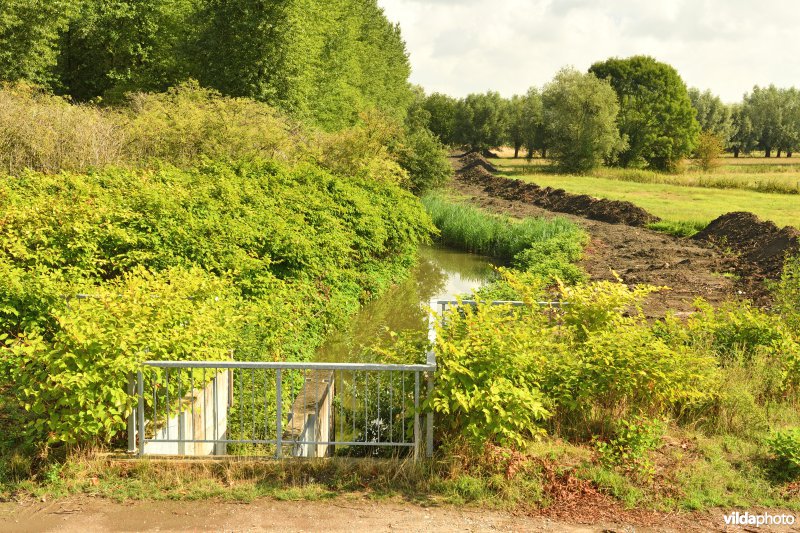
(691, 269)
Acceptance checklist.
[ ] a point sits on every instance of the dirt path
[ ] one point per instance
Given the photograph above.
(87, 514)
(640, 256)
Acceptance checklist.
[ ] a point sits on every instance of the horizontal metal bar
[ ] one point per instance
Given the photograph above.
(209, 441)
(514, 303)
(284, 441)
(347, 443)
(295, 366)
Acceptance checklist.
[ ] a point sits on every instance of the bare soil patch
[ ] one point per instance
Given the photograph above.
(690, 268)
(759, 243)
(87, 514)
(728, 260)
(472, 168)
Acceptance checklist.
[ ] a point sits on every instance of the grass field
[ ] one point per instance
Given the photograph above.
(682, 197)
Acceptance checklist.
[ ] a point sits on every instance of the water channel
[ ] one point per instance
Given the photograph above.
(441, 274)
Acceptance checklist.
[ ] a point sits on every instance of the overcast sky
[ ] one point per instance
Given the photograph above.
(463, 46)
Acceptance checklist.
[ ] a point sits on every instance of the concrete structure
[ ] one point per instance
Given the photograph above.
(203, 416)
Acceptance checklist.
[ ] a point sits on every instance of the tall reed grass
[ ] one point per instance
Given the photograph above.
(468, 228)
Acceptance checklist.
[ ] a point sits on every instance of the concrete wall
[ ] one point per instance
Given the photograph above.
(210, 421)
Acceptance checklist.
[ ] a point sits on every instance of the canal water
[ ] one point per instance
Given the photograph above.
(441, 274)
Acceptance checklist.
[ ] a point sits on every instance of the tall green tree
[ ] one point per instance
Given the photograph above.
(763, 107)
(713, 115)
(524, 120)
(656, 115)
(323, 61)
(790, 124)
(580, 113)
(124, 45)
(480, 121)
(442, 110)
(29, 33)
(743, 137)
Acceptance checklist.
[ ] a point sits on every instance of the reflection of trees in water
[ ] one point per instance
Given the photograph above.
(470, 267)
(402, 307)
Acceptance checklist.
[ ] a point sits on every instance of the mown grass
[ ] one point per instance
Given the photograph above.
(468, 228)
(779, 178)
(677, 203)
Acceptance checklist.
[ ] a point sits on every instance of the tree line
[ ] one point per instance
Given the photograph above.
(323, 62)
(632, 112)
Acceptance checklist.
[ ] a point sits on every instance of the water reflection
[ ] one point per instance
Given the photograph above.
(440, 274)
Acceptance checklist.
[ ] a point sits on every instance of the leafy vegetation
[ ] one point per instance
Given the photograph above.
(598, 372)
(252, 257)
(656, 114)
(580, 113)
(323, 63)
(468, 228)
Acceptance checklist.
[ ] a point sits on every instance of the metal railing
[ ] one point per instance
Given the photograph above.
(255, 408)
(284, 409)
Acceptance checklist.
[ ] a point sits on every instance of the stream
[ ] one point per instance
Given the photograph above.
(441, 274)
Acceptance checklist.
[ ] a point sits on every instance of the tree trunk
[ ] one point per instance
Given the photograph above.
(735, 151)
(768, 152)
(544, 153)
(788, 153)
(778, 154)
(516, 151)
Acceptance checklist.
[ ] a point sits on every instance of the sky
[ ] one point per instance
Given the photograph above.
(459, 47)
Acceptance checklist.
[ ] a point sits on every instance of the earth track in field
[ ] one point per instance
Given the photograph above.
(689, 268)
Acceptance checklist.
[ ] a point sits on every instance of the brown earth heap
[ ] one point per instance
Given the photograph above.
(473, 159)
(760, 243)
(474, 169)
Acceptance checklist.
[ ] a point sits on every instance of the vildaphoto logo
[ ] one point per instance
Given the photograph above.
(758, 520)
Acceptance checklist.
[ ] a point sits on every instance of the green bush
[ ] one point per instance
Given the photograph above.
(787, 292)
(423, 156)
(785, 447)
(487, 385)
(509, 374)
(289, 252)
(71, 381)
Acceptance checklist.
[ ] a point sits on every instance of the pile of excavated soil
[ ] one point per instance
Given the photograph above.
(691, 269)
(474, 159)
(760, 243)
(559, 200)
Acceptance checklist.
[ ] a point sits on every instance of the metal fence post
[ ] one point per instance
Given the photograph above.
(429, 419)
(140, 410)
(416, 415)
(278, 413)
(132, 416)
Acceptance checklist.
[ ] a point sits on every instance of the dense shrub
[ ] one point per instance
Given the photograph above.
(423, 156)
(252, 257)
(574, 376)
(188, 124)
(47, 133)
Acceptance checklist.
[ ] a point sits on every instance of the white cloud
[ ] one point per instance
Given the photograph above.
(463, 46)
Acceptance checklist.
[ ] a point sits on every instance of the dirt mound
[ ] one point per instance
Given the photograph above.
(559, 200)
(474, 159)
(758, 242)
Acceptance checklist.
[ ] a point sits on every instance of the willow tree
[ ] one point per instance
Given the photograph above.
(580, 113)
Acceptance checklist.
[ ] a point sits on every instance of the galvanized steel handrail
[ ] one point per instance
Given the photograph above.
(276, 373)
(293, 365)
